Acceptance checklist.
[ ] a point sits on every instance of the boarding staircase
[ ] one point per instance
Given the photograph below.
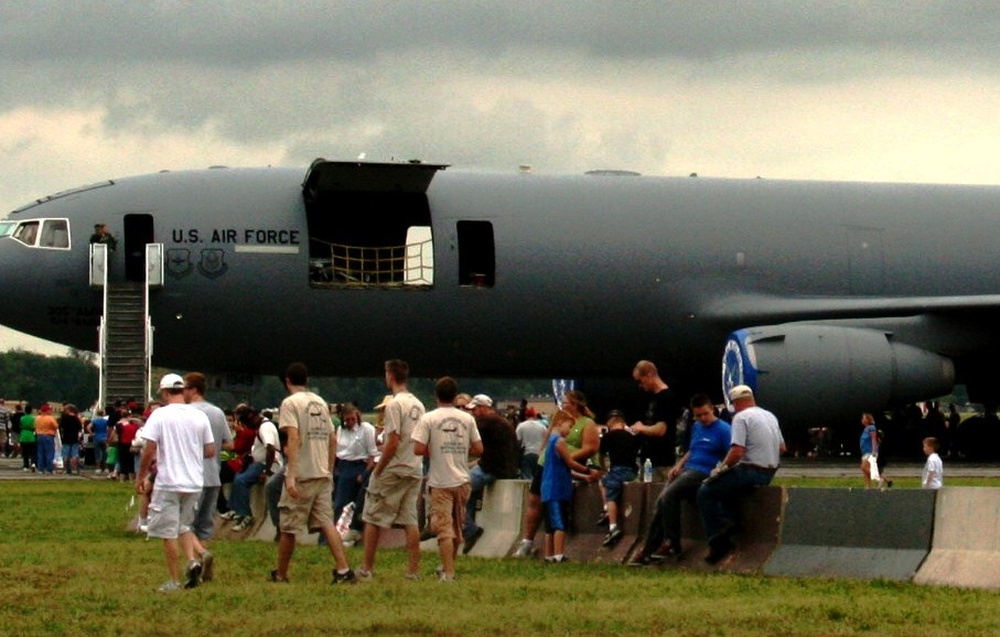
(124, 358)
(126, 332)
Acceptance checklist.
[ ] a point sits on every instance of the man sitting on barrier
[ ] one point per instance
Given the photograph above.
(753, 459)
(710, 443)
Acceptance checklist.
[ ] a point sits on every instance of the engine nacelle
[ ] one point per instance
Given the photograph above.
(818, 374)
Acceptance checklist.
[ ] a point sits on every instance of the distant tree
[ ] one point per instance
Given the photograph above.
(35, 378)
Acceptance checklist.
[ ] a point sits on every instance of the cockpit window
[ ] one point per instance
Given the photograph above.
(7, 228)
(43, 233)
(55, 234)
(27, 232)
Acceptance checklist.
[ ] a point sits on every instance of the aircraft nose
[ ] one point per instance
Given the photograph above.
(18, 282)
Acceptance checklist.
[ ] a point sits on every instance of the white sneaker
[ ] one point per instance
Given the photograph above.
(169, 587)
(526, 548)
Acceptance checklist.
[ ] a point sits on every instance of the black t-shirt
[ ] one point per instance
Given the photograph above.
(621, 446)
(500, 448)
(663, 407)
(69, 429)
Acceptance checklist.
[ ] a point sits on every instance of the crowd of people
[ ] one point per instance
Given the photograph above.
(324, 469)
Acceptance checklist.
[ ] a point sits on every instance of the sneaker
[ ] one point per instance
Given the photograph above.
(525, 549)
(344, 578)
(244, 523)
(471, 540)
(229, 515)
(276, 579)
(364, 576)
(613, 536)
(640, 559)
(665, 552)
(169, 587)
(413, 576)
(602, 518)
(444, 577)
(720, 547)
(192, 574)
(207, 566)
(556, 560)
(427, 533)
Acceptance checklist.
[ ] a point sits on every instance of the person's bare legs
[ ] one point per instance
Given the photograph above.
(336, 545)
(371, 536)
(412, 549)
(286, 547)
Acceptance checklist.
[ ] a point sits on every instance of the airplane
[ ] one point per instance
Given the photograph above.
(827, 298)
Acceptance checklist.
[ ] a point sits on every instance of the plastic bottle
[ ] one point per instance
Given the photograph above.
(647, 471)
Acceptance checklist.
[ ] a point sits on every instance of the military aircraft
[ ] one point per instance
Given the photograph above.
(828, 298)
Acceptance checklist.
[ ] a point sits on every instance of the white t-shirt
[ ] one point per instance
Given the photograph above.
(448, 433)
(401, 416)
(267, 434)
(180, 432)
(933, 475)
(530, 434)
(757, 430)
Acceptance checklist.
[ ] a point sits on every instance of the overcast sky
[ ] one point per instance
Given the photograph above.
(873, 91)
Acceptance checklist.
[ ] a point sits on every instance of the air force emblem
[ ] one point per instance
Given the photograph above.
(213, 263)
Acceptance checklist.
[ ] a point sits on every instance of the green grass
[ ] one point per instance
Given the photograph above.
(69, 568)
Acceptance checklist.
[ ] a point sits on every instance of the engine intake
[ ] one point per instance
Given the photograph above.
(817, 374)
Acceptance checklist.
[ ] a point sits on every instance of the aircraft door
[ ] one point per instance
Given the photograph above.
(138, 231)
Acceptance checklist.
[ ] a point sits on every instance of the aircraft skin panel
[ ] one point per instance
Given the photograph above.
(592, 273)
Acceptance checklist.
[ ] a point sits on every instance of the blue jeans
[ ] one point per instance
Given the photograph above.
(529, 465)
(666, 522)
(46, 449)
(273, 488)
(350, 476)
(479, 480)
(100, 453)
(239, 497)
(718, 501)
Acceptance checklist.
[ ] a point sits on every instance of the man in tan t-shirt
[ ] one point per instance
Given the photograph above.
(307, 499)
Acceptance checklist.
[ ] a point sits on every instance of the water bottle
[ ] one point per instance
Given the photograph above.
(647, 471)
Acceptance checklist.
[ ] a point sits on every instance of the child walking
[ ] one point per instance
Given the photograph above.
(933, 476)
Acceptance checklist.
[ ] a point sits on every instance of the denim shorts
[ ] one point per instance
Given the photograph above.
(614, 481)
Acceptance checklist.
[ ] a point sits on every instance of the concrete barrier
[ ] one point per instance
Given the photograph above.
(759, 525)
(966, 545)
(585, 539)
(500, 518)
(864, 534)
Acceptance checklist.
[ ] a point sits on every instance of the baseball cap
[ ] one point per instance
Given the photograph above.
(480, 400)
(739, 392)
(172, 381)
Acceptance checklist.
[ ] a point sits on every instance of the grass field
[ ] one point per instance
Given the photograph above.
(69, 568)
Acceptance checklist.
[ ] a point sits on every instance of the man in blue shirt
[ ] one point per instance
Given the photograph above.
(710, 442)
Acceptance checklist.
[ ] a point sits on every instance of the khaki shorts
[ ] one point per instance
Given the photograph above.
(312, 509)
(448, 511)
(171, 513)
(392, 499)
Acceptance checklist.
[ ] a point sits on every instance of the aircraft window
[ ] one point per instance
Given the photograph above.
(27, 232)
(476, 254)
(7, 228)
(55, 234)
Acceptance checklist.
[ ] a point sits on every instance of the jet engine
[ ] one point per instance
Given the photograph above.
(818, 375)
